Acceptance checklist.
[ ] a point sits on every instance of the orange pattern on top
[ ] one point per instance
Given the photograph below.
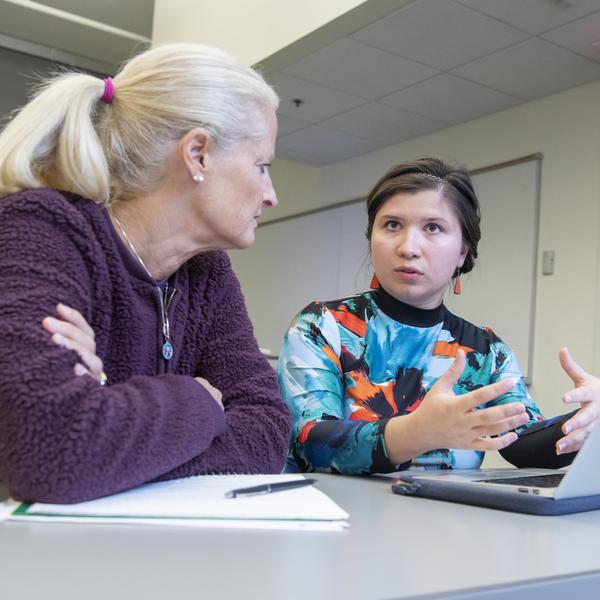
(303, 435)
(332, 356)
(449, 349)
(349, 321)
(363, 391)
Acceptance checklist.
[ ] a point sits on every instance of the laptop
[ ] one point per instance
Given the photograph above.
(533, 491)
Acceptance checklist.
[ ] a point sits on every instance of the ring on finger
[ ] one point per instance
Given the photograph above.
(103, 378)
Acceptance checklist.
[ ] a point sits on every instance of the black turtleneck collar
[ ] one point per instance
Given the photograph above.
(407, 314)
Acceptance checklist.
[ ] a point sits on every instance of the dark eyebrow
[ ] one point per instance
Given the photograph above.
(437, 219)
(430, 219)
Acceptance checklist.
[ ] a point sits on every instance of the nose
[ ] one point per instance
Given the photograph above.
(269, 195)
(409, 244)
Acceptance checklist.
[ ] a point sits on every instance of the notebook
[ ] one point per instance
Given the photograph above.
(197, 502)
(533, 491)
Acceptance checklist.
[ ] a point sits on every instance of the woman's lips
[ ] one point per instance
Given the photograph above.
(408, 273)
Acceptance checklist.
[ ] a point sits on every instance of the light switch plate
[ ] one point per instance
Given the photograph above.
(548, 262)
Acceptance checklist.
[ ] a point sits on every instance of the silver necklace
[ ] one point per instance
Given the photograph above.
(165, 299)
(130, 243)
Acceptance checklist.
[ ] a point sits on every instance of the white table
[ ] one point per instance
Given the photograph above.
(396, 547)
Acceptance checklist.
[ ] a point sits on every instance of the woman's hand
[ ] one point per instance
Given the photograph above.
(587, 394)
(445, 420)
(213, 391)
(72, 331)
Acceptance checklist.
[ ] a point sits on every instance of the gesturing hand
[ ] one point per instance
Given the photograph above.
(72, 331)
(587, 394)
(445, 420)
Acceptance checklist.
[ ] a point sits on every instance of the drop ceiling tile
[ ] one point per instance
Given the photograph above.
(530, 70)
(534, 16)
(382, 123)
(319, 102)
(324, 144)
(358, 69)
(434, 33)
(450, 99)
(582, 36)
(303, 158)
(287, 125)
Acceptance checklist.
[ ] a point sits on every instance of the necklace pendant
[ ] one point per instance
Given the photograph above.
(167, 350)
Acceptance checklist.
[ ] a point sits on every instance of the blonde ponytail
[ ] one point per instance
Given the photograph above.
(52, 141)
(159, 96)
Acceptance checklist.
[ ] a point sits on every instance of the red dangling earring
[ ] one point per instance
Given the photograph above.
(374, 282)
(457, 289)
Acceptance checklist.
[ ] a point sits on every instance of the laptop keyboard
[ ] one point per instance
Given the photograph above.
(543, 481)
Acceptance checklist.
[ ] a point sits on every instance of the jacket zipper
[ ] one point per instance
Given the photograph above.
(167, 349)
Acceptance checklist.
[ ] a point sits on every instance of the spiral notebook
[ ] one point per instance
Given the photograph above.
(196, 502)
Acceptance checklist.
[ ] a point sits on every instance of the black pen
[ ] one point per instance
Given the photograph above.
(269, 488)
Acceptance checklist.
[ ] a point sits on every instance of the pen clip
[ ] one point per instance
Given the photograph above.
(241, 492)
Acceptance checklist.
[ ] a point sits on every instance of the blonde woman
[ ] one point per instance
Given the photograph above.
(126, 352)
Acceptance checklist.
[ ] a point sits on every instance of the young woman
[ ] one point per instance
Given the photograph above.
(126, 351)
(389, 378)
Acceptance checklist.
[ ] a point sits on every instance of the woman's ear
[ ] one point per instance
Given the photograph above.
(194, 150)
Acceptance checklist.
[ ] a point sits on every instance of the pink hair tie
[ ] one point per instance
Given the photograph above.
(109, 91)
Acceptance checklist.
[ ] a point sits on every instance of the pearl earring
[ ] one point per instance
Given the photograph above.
(198, 177)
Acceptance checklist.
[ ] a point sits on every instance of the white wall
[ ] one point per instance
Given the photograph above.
(250, 30)
(566, 129)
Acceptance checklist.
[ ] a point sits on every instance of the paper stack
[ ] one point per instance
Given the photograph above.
(197, 502)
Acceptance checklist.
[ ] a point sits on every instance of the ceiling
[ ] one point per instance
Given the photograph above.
(131, 15)
(429, 65)
(96, 36)
(39, 38)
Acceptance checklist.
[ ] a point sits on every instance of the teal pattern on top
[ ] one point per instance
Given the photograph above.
(348, 366)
